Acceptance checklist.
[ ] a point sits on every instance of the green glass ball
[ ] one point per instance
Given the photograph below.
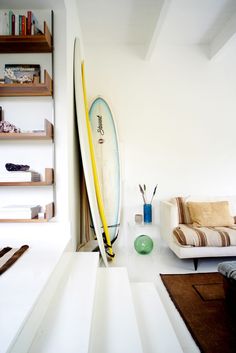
(143, 244)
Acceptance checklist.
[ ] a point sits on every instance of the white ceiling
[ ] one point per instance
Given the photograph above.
(135, 21)
(147, 22)
(196, 21)
(118, 21)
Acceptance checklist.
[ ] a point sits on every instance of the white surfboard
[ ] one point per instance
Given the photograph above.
(106, 149)
(85, 150)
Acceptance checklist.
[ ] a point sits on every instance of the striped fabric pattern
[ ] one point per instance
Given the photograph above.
(8, 256)
(187, 235)
(183, 211)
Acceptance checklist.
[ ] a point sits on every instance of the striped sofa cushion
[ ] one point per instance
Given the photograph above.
(187, 235)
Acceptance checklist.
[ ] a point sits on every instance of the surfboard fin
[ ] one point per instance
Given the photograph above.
(110, 257)
(107, 247)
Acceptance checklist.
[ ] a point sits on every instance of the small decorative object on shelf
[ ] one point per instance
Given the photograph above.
(138, 218)
(6, 127)
(16, 167)
(143, 244)
(147, 207)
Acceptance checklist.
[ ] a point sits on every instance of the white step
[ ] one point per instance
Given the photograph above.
(21, 290)
(114, 326)
(157, 333)
(66, 326)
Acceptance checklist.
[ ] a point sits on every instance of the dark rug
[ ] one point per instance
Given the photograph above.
(200, 300)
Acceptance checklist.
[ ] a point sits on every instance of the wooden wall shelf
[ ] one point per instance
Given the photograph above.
(48, 180)
(47, 134)
(27, 89)
(27, 44)
(49, 214)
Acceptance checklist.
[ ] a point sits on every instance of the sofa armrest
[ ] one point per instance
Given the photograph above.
(169, 219)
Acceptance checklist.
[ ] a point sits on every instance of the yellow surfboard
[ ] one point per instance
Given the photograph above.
(94, 168)
(84, 149)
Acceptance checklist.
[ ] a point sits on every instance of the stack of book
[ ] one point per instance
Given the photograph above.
(19, 211)
(20, 176)
(25, 24)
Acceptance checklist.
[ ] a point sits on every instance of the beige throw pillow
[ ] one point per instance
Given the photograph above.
(210, 214)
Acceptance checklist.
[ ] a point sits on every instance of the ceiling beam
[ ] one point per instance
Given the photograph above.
(152, 45)
(223, 37)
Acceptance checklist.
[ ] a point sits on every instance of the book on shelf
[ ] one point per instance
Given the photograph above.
(19, 176)
(11, 23)
(19, 211)
(23, 25)
(22, 73)
(29, 22)
(35, 28)
(4, 22)
(20, 25)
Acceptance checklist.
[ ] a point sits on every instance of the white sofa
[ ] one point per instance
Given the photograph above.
(169, 220)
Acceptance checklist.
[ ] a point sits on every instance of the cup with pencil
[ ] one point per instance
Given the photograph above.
(147, 207)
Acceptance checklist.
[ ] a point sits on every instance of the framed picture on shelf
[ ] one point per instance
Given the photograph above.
(21, 73)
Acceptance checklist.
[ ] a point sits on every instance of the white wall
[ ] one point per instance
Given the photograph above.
(73, 31)
(175, 118)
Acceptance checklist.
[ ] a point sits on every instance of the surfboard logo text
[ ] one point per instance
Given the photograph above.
(100, 126)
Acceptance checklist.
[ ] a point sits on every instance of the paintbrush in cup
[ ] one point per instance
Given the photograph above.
(142, 192)
(154, 191)
(145, 189)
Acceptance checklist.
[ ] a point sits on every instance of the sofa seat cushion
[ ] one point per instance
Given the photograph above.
(188, 235)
